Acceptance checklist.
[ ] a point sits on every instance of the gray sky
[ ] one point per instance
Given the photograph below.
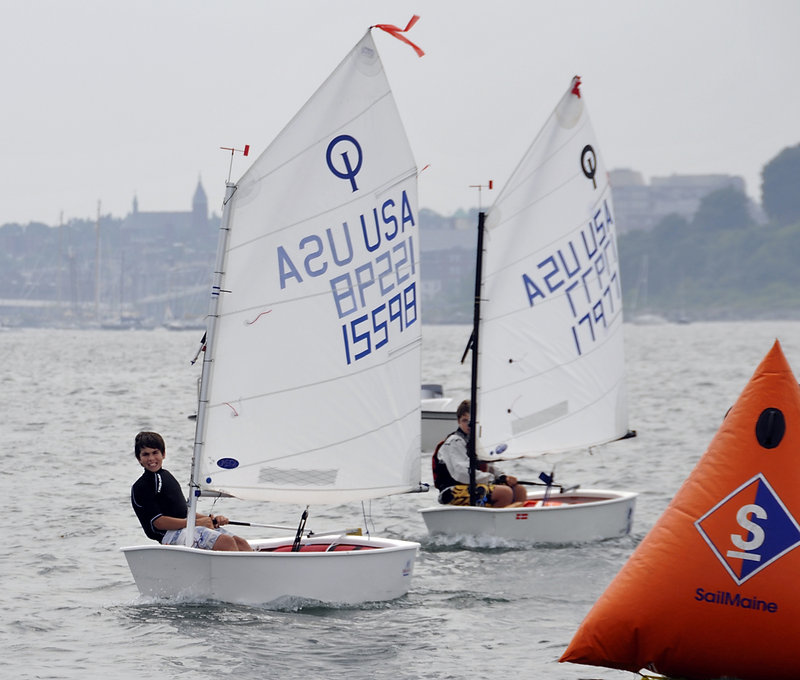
(106, 99)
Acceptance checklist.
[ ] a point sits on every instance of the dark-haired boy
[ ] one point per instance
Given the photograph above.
(161, 507)
(452, 478)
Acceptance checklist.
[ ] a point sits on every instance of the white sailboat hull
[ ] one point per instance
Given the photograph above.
(374, 570)
(574, 517)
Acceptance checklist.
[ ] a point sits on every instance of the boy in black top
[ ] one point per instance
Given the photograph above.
(161, 507)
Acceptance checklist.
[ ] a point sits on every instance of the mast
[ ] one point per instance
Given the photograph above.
(60, 263)
(97, 265)
(473, 392)
(121, 285)
(208, 358)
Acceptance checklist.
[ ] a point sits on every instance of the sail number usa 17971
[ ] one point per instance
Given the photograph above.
(584, 270)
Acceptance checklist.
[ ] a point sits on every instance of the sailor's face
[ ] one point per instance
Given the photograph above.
(151, 459)
(463, 423)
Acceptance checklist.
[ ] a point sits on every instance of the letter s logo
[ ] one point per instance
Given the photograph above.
(744, 521)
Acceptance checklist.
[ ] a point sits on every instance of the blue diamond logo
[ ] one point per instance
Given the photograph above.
(749, 529)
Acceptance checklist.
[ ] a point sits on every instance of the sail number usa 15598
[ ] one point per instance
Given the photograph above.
(371, 272)
(370, 331)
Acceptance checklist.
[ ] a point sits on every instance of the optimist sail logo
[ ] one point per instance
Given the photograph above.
(341, 164)
(749, 529)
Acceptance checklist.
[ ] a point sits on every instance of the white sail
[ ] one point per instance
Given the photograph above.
(551, 362)
(315, 359)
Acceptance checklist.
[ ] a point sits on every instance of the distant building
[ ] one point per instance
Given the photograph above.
(149, 266)
(641, 206)
(183, 244)
(169, 228)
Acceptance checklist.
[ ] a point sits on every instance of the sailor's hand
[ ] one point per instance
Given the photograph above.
(511, 480)
(219, 520)
(204, 521)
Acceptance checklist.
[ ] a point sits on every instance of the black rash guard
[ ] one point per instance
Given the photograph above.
(155, 494)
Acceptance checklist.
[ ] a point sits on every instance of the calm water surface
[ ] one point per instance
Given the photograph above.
(71, 402)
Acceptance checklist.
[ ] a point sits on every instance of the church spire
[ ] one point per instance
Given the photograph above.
(199, 206)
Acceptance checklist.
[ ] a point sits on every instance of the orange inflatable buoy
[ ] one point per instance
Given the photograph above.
(711, 591)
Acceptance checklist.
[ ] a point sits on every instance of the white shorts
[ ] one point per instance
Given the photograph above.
(203, 537)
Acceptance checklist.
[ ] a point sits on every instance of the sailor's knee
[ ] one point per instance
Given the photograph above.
(242, 544)
(225, 542)
(501, 496)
